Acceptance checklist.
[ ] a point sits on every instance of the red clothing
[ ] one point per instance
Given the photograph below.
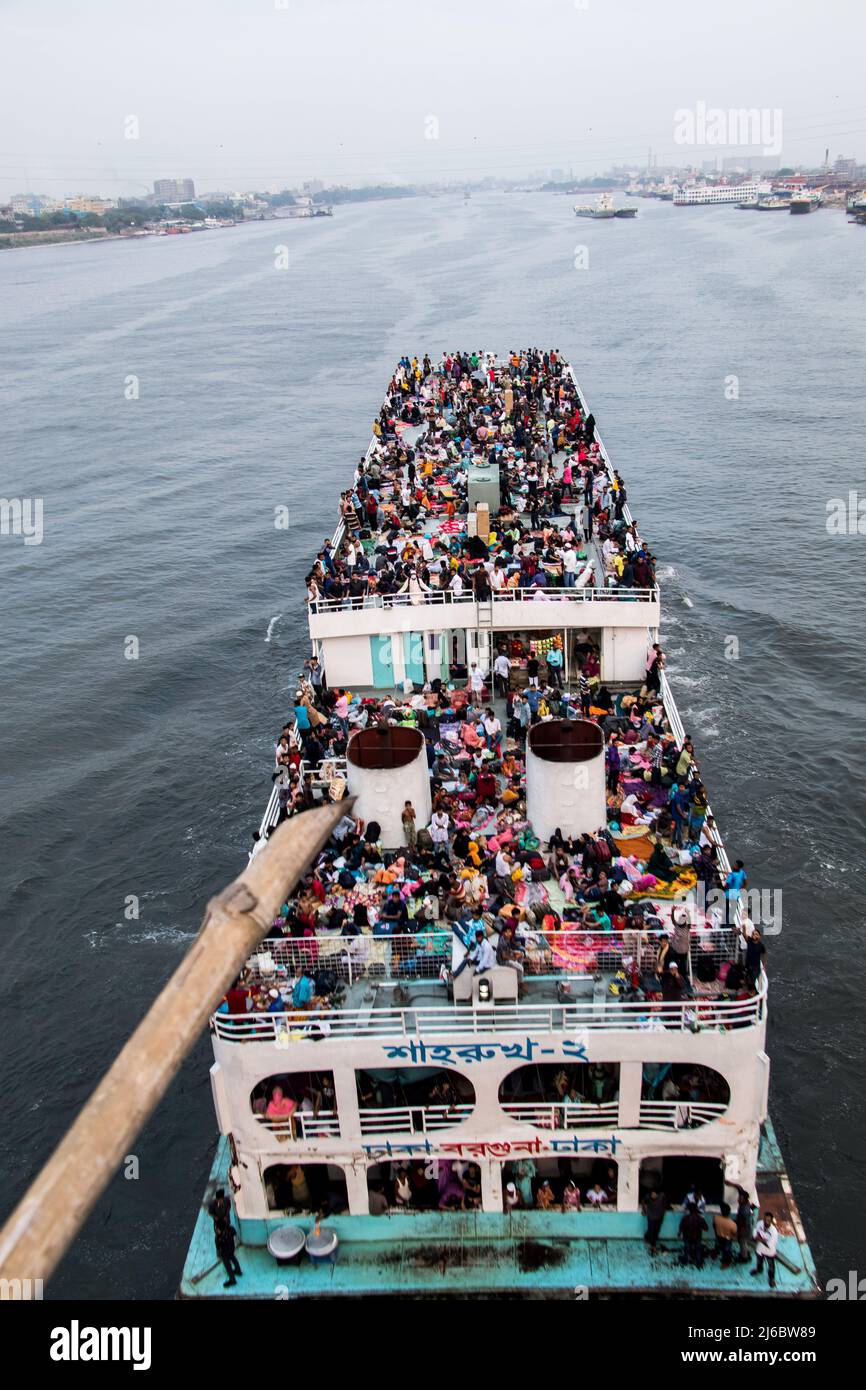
(237, 1000)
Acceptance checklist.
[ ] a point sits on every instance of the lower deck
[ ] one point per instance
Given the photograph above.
(528, 1254)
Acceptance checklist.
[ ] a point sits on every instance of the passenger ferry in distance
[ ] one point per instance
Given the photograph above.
(509, 1035)
(692, 195)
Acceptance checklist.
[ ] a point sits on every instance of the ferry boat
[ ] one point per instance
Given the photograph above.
(702, 193)
(451, 1069)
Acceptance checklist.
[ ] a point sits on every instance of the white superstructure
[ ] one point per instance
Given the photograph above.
(397, 1014)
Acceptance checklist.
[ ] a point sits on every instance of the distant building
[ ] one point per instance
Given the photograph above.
(848, 167)
(173, 190)
(312, 187)
(31, 204)
(84, 203)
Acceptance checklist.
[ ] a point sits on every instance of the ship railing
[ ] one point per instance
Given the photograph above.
(469, 1020)
(679, 1114)
(412, 1119)
(678, 730)
(320, 781)
(406, 956)
(524, 594)
(563, 1114)
(325, 1125)
(609, 469)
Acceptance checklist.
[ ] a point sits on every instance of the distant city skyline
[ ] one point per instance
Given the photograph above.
(275, 93)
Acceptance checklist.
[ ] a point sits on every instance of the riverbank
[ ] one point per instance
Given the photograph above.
(16, 241)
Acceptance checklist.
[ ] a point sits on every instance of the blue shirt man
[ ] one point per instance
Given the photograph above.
(735, 882)
(303, 991)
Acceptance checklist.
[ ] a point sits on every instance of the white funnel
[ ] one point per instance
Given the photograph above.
(386, 766)
(565, 778)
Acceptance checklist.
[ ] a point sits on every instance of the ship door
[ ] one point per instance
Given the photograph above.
(413, 657)
(382, 660)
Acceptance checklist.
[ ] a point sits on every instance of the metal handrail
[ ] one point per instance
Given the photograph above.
(325, 1125)
(412, 1119)
(679, 1114)
(563, 1114)
(528, 593)
(564, 954)
(470, 1022)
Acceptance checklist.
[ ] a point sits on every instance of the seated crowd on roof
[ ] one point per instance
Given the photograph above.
(404, 530)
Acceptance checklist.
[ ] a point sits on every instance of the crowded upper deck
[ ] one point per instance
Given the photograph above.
(553, 523)
(641, 914)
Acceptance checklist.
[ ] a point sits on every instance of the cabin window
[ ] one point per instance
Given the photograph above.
(305, 1188)
(297, 1105)
(681, 1095)
(562, 1095)
(565, 1185)
(679, 1175)
(423, 1185)
(412, 1100)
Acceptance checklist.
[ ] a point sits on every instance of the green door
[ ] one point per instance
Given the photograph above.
(383, 663)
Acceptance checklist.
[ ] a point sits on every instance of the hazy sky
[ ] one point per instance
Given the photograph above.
(263, 93)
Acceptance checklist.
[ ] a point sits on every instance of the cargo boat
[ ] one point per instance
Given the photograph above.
(808, 201)
(569, 1075)
(602, 208)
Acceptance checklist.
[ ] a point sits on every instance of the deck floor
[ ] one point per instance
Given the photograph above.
(472, 1254)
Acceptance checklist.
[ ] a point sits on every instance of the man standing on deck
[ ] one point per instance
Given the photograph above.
(224, 1239)
(502, 673)
(654, 1209)
(744, 1226)
(735, 882)
(476, 684)
(766, 1243)
(725, 1230)
(692, 1227)
(755, 952)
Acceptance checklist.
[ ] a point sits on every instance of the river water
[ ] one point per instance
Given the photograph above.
(164, 396)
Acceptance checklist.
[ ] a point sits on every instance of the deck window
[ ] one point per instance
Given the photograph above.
(677, 1095)
(560, 1185)
(424, 1184)
(306, 1187)
(297, 1105)
(678, 1175)
(561, 1095)
(413, 1100)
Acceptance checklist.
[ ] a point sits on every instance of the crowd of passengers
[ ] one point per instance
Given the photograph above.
(475, 865)
(404, 522)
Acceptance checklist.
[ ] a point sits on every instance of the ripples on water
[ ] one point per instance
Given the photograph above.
(257, 389)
